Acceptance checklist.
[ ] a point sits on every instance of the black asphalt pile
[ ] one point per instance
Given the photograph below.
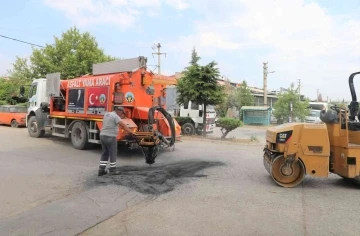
(157, 179)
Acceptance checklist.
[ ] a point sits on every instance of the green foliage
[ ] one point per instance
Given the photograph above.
(243, 96)
(7, 89)
(72, 55)
(21, 73)
(199, 84)
(194, 57)
(237, 97)
(282, 106)
(228, 124)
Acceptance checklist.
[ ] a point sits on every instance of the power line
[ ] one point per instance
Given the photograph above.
(21, 41)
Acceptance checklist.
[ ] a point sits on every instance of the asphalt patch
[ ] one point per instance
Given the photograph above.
(158, 179)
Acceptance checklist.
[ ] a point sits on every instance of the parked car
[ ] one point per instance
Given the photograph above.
(13, 115)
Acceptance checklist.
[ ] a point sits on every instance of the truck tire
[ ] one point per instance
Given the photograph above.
(33, 130)
(188, 129)
(14, 124)
(79, 136)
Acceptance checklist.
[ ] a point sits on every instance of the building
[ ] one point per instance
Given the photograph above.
(272, 96)
(258, 93)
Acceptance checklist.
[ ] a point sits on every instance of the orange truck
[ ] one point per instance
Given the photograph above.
(74, 108)
(13, 115)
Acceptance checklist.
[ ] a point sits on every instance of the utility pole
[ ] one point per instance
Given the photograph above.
(159, 56)
(265, 81)
(317, 95)
(299, 88)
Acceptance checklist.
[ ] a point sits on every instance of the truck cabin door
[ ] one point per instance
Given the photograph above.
(32, 96)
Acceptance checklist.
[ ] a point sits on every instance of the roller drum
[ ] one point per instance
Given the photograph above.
(285, 175)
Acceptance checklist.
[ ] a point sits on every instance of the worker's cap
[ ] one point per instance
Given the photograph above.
(119, 109)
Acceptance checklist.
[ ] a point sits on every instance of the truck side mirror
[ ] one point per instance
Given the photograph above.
(200, 113)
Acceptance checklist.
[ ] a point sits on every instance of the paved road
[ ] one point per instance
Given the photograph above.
(50, 188)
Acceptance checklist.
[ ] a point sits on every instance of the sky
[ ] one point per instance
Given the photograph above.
(316, 42)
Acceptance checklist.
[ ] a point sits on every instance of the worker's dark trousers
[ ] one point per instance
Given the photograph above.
(109, 149)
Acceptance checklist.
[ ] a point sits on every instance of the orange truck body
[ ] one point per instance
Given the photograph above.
(13, 115)
(88, 97)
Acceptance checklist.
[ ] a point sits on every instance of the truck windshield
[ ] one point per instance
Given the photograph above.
(33, 88)
(315, 113)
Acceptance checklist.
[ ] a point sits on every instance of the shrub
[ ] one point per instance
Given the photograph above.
(228, 124)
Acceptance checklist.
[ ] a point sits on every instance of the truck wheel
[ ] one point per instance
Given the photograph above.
(188, 129)
(33, 128)
(14, 124)
(79, 136)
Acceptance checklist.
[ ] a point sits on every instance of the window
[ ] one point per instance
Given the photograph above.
(18, 109)
(194, 106)
(186, 105)
(32, 90)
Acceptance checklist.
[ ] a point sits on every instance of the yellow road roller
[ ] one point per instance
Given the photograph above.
(294, 150)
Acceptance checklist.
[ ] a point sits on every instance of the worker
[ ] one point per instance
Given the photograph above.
(108, 134)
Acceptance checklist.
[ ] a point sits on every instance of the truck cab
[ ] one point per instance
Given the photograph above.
(196, 113)
(38, 100)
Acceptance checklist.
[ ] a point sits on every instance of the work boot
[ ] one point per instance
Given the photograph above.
(112, 171)
(102, 171)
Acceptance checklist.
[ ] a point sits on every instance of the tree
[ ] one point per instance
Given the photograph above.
(72, 55)
(194, 57)
(21, 72)
(282, 106)
(222, 109)
(238, 98)
(7, 88)
(199, 84)
(244, 96)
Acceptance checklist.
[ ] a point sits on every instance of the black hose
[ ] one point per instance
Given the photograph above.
(168, 118)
